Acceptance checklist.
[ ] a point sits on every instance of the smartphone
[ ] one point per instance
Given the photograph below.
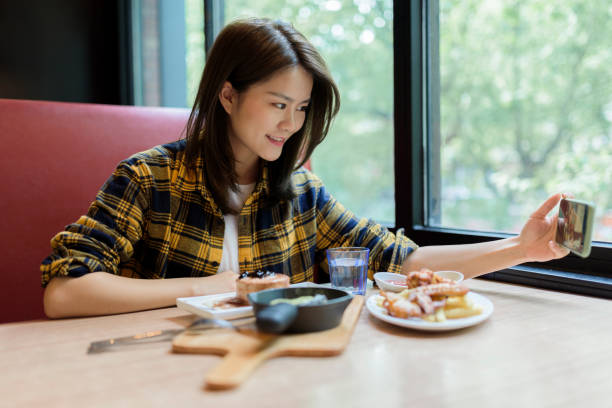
(575, 226)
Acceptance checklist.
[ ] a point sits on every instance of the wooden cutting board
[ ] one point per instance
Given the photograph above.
(244, 350)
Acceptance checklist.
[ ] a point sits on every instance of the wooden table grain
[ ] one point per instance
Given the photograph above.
(538, 349)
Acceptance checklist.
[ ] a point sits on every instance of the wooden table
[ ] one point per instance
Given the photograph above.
(538, 349)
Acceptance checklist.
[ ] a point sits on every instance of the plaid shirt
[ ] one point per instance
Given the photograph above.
(154, 219)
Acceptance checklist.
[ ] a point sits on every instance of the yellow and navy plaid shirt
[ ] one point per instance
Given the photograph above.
(155, 219)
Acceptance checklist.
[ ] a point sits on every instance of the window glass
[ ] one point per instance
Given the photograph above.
(145, 30)
(356, 40)
(525, 110)
(195, 55)
(167, 72)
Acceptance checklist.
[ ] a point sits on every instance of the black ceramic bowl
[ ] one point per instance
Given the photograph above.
(284, 317)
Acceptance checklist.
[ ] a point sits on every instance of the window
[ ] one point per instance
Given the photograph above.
(525, 109)
(167, 46)
(195, 55)
(507, 102)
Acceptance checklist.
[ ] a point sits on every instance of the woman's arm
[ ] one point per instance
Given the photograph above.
(536, 242)
(101, 293)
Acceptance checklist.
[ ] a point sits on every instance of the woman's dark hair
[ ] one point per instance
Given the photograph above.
(247, 52)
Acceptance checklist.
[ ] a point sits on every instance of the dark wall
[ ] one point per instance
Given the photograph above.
(62, 50)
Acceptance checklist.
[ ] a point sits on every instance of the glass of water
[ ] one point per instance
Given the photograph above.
(348, 268)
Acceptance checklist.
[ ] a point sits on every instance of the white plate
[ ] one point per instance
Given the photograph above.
(420, 324)
(203, 305)
(396, 282)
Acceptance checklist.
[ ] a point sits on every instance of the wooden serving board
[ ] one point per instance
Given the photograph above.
(244, 350)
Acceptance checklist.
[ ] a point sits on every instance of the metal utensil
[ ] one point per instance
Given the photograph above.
(196, 327)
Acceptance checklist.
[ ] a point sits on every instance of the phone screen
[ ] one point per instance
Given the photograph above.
(575, 225)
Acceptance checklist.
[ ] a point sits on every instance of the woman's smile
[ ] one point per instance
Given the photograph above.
(277, 141)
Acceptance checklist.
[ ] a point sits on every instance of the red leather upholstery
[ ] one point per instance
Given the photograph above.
(55, 158)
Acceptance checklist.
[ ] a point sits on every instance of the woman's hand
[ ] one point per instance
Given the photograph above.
(537, 238)
(219, 283)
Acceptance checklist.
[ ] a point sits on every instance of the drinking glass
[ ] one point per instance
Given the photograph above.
(348, 268)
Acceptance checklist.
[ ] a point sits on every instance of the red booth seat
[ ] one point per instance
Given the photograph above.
(56, 157)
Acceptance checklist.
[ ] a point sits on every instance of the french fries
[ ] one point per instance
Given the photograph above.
(438, 316)
(456, 307)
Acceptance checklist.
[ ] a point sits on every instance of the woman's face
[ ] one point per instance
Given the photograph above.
(266, 115)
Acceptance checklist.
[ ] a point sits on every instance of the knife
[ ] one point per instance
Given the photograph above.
(148, 337)
(197, 326)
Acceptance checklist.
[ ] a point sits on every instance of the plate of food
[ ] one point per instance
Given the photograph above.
(430, 306)
(396, 282)
(234, 305)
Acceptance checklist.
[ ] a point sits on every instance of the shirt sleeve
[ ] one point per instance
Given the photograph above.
(106, 236)
(339, 227)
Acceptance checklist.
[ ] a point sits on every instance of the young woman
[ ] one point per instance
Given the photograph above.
(233, 197)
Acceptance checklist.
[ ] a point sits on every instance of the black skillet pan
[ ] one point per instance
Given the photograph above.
(284, 317)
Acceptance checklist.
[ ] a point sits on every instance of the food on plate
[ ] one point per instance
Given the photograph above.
(318, 299)
(458, 306)
(429, 297)
(249, 282)
(228, 303)
(396, 282)
(400, 306)
(424, 277)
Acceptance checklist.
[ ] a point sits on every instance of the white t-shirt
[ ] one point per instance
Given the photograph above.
(229, 259)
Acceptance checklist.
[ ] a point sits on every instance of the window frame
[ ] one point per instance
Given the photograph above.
(590, 276)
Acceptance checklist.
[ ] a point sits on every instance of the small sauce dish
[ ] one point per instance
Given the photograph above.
(451, 275)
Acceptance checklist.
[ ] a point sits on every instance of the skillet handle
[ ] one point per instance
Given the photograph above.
(276, 318)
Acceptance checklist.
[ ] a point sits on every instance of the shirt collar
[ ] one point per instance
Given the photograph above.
(195, 180)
